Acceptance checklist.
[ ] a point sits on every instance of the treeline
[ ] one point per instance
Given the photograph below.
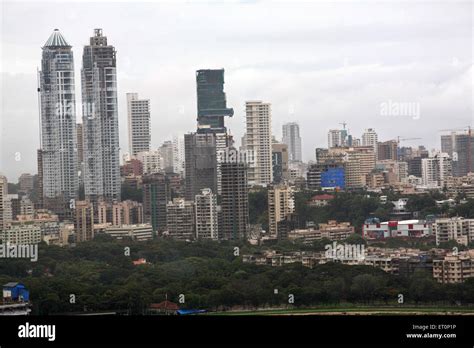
(99, 275)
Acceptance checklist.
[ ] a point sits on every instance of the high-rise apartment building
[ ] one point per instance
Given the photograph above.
(337, 138)
(387, 150)
(435, 169)
(201, 163)
(139, 136)
(291, 137)
(100, 119)
(460, 147)
(180, 219)
(234, 219)
(84, 221)
(280, 163)
(259, 141)
(3, 195)
(206, 218)
(280, 205)
(58, 123)
(211, 101)
(370, 138)
(156, 194)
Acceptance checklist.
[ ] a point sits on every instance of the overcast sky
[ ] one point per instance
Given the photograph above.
(318, 64)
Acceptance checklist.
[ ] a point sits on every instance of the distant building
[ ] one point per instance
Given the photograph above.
(436, 169)
(139, 135)
(458, 229)
(280, 163)
(454, 269)
(25, 183)
(259, 141)
(320, 200)
(21, 233)
(84, 221)
(387, 150)
(201, 163)
(460, 147)
(142, 232)
(280, 204)
(369, 138)
(3, 195)
(152, 161)
(234, 218)
(156, 194)
(374, 229)
(100, 120)
(291, 137)
(180, 219)
(206, 215)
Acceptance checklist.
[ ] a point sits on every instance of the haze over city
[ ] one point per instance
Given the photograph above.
(335, 63)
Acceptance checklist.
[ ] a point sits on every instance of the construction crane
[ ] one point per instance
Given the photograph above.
(343, 124)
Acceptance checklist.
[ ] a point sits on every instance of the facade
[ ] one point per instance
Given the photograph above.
(280, 204)
(201, 163)
(234, 219)
(84, 221)
(180, 219)
(21, 233)
(139, 135)
(387, 150)
(454, 268)
(58, 123)
(100, 120)
(369, 138)
(280, 163)
(3, 195)
(26, 182)
(152, 161)
(458, 229)
(206, 218)
(211, 101)
(374, 229)
(337, 138)
(291, 137)
(259, 141)
(460, 147)
(156, 194)
(435, 169)
(140, 232)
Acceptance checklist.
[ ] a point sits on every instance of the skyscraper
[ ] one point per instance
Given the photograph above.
(234, 219)
(211, 101)
(387, 150)
(259, 141)
(180, 219)
(291, 137)
(156, 194)
(205, 205)
(84, 221)
(280, 162)
(3, 195)
(139, 136)
(280, 204)
(337, 138)
(58, 123)
(201, 163)
(369, 138)
(460, 147)
(100, 119)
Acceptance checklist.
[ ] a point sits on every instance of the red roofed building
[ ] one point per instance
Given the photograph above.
(163, 308)
(320, 200)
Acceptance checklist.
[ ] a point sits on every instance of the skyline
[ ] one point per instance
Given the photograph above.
(314, 85)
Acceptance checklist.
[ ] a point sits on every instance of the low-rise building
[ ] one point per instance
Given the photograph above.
(21, 233)
(374, 229)
(454, 268)
(140, 232)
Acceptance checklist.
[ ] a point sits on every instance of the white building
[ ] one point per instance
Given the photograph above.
(3, 194)
(100, 120)
(152, 161)
(140, 232)
(259, 141)
(58, 120)
(139, 136)
(21, 233)
(435, 169)
(291, 137)
(405, 228)
(456, 228)
(206, 215)
(370, 138)
(337, 138)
